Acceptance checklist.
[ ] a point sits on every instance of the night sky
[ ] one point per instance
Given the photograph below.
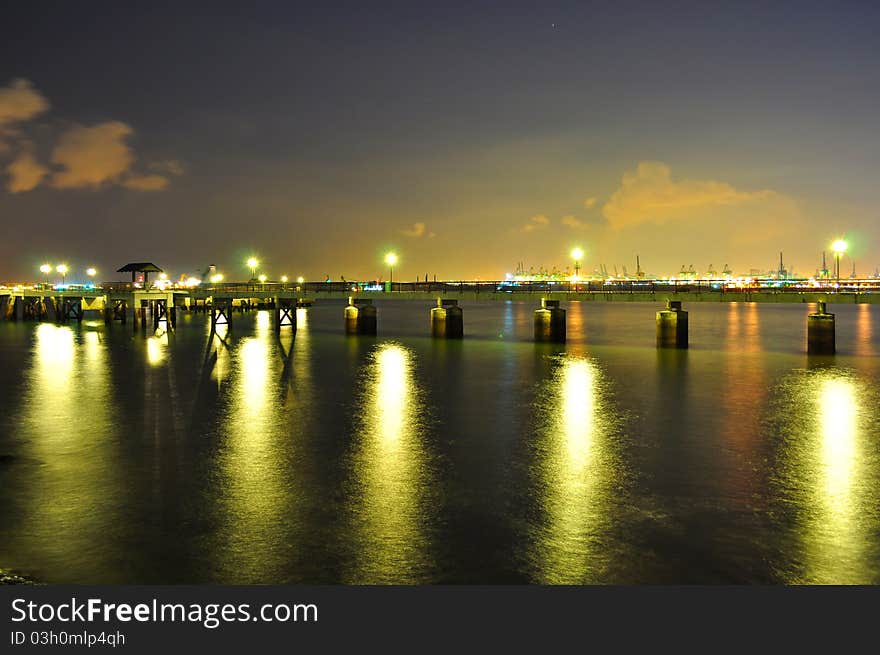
(465, 136)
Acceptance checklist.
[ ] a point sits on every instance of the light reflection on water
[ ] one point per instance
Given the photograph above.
(256, 487)
(828, 452)
(75, 489)
(574, 471)
(316, 458)
(391, 474)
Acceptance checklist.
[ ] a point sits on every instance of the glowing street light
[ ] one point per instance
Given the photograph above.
(216, 278)
(577, 255)
(91, 271)
(262, 278)
(45, 269)
(252, 263)
(391, 260)
(838, 247)
(300, 279)
(62, 270)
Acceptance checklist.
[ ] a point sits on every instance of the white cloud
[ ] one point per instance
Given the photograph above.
(168, 167)
(20, 102)
(25, 173)
(535, 222)
(589, 202)
(145, 182)
(96, 156)
(83, 157)
(416, 231)
(650, 195)
(572, 222)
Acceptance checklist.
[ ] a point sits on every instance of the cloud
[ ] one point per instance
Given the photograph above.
(650, 195)
(417, 230)
(572, 222)
(169, 167)
(589, 202)
(20, 101)
(535, 222)
(145, 182)
(25, 173)
(90, 157)
(96, 156)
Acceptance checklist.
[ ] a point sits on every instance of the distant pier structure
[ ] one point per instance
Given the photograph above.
(148, 307)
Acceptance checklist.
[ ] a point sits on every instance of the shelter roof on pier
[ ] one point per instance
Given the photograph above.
(140, 267)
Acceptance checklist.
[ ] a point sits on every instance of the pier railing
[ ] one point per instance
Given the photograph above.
(261, 289)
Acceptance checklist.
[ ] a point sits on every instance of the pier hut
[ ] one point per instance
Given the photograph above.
(140, 267)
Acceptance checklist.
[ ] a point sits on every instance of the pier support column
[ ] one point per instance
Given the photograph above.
(820, 332)
(221, 310)
(6, 304)
(550, 322)
(360, 316)
(141, 316)
(18, 308)
(672, 326)
(447, 321)
(285, 313)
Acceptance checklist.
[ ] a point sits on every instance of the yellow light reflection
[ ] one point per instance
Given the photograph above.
(831, 479)
(67, 425)
(838, 415)
(578, 400)
(253, 492)
(573, 476)
(156, 349)
(391, 473)
(264, 322)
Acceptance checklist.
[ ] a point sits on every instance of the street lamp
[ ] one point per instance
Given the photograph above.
(62, 269)
(391, 260)
(91, 271)
(216, 278)
(45, 269)
(838, 247)
(284, 279)
(252, 264)
(262, 278)
(300, 279)
(577, 255)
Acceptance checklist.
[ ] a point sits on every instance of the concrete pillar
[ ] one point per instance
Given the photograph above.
(360, 316)
(820, 332)
(550, 322)
(446, 320)
(672, 326)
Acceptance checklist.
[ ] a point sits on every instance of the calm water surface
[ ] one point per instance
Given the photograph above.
(399, 459)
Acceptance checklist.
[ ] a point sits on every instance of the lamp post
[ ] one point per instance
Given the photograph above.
(62, 270)
(577, 255)
(839, 247)
(45, 269)
(284, 279)
(252, 264)
(391, 260)
(91, 271)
